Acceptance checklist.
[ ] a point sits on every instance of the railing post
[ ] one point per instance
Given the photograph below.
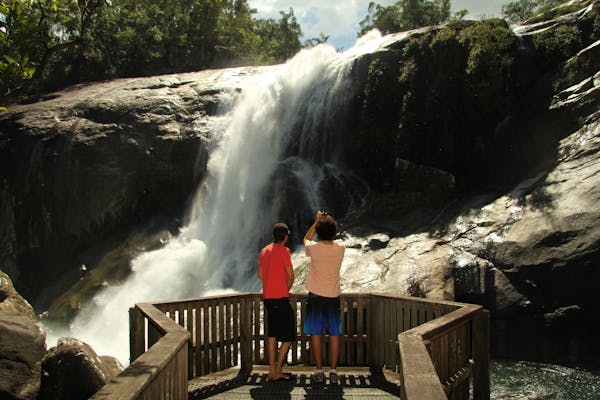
(137, 345)
(481, 356)
(246, 335)
(375, 338)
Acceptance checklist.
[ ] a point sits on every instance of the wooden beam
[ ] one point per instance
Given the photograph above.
(137, 339)
(481, 356)
(419, 378)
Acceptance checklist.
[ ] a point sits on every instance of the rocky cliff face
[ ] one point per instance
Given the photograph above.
(479, 142)
(509, 120)
(91, 162)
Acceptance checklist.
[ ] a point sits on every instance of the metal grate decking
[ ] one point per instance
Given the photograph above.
(356, 383)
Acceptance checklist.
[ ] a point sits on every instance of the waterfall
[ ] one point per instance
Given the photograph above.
(276, 144)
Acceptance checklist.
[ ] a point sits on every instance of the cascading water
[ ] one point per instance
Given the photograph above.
(278, 144)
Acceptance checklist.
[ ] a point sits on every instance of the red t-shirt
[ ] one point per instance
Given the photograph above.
(272, 261)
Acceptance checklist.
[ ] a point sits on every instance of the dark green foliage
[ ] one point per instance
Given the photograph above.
(555, 13)
(312, 42)
(407, 14)
(533, 11)
(522, 10)
(278, 39)
(375, 137)
(32, 33)
(62, 42)
(471, 99)
(557, 45)
(578, 65)
(491, 46)
(441, 77)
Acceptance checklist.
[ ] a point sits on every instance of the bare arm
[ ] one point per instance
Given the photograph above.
(259, 273)
(290, 276)
(310, 234)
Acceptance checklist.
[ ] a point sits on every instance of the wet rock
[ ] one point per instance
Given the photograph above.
(22, 345)
(73, 371)
(376, 242)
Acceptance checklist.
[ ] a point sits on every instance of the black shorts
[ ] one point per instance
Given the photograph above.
(280, 319)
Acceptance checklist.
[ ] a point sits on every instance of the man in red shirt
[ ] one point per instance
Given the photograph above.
(276, 272)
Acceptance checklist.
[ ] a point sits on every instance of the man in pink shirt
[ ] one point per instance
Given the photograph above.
(323, 284)
(277, 275)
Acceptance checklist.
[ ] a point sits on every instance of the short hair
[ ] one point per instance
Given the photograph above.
(279, 231)
(326, 228)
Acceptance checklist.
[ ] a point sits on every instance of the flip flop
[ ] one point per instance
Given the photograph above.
(284, 378)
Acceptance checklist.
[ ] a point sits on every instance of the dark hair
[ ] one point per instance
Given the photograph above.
(326, 228)
(279, 231)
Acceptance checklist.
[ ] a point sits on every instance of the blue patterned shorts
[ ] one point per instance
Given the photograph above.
(322, 315)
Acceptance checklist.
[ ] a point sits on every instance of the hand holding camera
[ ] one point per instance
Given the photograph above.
(321, 214)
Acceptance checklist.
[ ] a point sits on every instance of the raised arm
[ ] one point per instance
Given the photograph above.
(310, 234)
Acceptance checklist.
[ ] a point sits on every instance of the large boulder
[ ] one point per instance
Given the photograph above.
(73, 371)
(22, 345)
(87, 163)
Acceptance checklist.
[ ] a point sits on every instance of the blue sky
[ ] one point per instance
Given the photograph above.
(340, 18)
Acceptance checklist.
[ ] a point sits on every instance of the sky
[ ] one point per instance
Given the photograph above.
(340, 18)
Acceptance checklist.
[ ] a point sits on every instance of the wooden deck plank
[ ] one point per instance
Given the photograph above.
(356, 383)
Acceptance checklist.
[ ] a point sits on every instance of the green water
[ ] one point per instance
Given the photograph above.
(524, 380)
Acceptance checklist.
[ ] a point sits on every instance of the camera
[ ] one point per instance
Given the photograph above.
(325, 213)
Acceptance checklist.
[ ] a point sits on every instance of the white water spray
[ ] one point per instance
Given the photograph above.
(289, 106)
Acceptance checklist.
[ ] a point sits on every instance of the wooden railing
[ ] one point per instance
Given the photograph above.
(160, 371)
(439, 357)
(437, 347)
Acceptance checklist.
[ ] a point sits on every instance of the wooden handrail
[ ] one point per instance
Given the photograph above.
(421, 364)
(438, 347)
(166, 360)
(437, 326)
(419, 377)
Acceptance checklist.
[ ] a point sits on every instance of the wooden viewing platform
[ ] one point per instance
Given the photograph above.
(392, 346)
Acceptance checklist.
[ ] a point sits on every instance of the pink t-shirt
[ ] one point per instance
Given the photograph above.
(273, 260)
(324, 272)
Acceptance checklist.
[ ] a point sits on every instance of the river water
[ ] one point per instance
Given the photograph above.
(526, 380)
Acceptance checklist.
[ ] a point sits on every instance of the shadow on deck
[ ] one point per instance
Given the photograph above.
(355, 383)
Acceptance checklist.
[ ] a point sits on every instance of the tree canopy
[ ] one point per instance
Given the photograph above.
(32, 32)
(521, 10)
(48, 44)
(407, 14)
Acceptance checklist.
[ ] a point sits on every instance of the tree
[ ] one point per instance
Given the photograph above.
(280, 39)
(521, 10)
(385, 19)
(237, 37)
(33, 32)
(312, 42)
(407, 14)
(290, 33)
(49, 44)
